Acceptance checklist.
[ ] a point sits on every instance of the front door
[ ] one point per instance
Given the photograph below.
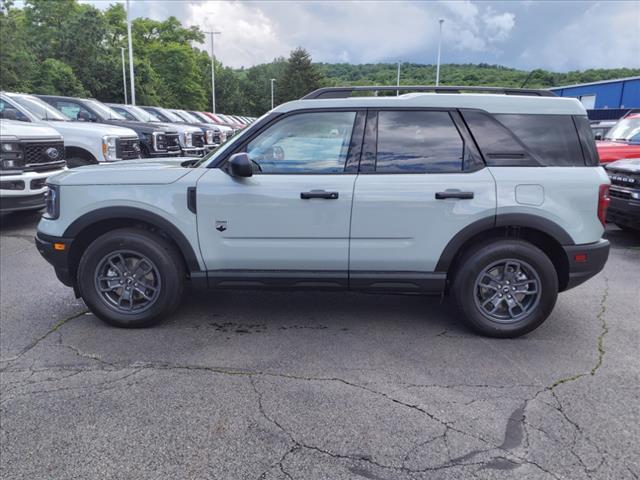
(288, 224)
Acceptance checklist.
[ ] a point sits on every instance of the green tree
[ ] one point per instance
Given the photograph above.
(57, 78)
(300, 77)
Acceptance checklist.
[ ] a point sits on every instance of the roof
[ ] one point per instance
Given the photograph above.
(489, 102)
(601, 82)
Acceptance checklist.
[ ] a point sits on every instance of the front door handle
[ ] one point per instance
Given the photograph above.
(454, 194)
(319, 194)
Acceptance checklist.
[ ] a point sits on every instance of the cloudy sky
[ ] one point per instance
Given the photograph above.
(555, 35)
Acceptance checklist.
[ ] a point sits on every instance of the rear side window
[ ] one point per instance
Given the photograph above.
(552, 139)
(418, 142)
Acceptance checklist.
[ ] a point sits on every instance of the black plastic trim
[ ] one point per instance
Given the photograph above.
(504, 220)
(459, 239)
(132, 213)
(279, 279)
(404, 282)
(538, 223)
(25, 202)
(579, 272)
(192, 200)
(345, 92)
(59, 259)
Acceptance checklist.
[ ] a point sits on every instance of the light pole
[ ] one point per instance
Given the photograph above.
(124, 77)
(441, 21)
(398, 80)
(272, 82)
(213, 72)
(131, 74)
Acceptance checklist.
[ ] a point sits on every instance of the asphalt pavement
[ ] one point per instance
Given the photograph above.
(276, 385)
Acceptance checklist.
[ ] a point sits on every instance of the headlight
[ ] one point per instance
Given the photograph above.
(109, 148)
(188, 140)
(52, 202)
(209, 137)
(10, 155)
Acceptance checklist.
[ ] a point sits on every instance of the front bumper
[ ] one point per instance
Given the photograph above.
(57, 257)
(173, 153)
(27, 192)
(585, 261)
(193, 152)
(624, 208)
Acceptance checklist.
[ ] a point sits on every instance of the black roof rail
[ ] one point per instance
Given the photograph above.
(345, 92)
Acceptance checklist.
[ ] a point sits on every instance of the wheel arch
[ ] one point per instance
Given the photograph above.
(541, 232)
(90, 226)
(71, 152)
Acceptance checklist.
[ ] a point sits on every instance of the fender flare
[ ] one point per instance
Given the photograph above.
(504, 220)
(133, 213)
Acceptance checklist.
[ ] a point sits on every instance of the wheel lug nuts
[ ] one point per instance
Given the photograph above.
(513, 288)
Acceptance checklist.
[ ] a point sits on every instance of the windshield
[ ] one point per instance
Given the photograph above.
(230, 144)
(39, 108)
(201, 117)
(187, 116)
(627, 129)
(104, 111)
(143, 115)
(170, 115)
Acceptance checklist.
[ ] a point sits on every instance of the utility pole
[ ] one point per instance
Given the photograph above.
(213, 71)
(441, 21)
(131, 74)
(272, 81)
(124, 77)
(398, 80)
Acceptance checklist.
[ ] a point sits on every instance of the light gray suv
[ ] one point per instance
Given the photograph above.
(493, 195)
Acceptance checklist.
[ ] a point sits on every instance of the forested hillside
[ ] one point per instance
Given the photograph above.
(68, 48)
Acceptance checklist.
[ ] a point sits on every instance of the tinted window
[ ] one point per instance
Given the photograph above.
(587, 141)
(418, 142)
(305, 143)
(551, 139)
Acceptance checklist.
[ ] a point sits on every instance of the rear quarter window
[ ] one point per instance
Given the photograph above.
(552, 139)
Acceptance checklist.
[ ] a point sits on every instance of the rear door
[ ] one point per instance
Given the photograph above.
(288, 224)
(421, 182)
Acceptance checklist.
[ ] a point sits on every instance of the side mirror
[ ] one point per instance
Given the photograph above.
(85, 117)
(598, 136)
(240, 165)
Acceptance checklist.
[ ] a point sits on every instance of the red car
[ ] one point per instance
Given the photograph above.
(622, 140)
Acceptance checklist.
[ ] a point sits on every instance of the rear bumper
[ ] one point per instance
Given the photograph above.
(585, 261)
(59, 259)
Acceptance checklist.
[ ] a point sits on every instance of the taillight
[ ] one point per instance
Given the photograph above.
(603, 203)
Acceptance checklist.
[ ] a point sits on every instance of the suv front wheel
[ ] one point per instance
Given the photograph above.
(505, 288)
(131, 278)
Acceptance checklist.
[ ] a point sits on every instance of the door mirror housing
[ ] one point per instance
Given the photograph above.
(240, 165)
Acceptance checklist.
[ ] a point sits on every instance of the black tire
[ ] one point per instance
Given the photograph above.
(162, 285)
(478, 293)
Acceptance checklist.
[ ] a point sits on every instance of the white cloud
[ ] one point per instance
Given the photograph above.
(554, 35)
(605, 35)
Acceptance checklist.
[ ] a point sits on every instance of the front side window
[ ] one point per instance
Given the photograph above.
(71, 109)
(418, 142)
(316, 142)
(124, 113)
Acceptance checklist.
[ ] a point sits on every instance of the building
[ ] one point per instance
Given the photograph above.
(605, 100)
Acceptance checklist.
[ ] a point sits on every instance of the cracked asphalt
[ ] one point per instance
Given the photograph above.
(248, 385)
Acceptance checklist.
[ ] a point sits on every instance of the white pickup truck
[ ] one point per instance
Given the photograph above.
(29, 155)
(85, 143)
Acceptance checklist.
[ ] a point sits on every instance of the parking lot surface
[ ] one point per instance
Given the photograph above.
(251, 385)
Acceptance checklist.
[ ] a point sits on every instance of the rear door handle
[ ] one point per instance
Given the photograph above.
(454, 194)
(319, 194)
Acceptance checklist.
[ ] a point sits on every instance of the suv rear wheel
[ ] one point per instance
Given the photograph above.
(505, 288)
(131, 278)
